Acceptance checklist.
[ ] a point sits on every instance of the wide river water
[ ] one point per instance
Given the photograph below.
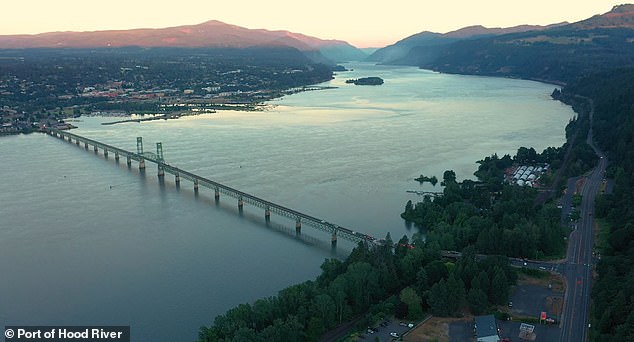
(87, 241)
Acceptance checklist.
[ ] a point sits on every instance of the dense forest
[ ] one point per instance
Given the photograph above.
(494, 217)
(613, 293)
(408, 278)
(374, 282)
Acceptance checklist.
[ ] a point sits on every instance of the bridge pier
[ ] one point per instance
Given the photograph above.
(195, 185)
(105, 153)
(116, 156)
(217, 194)
(86, 145)
(267, 214)
(177, 179)
(240, 204)
(161, 172)
(298, 226)
(96, 149)
(70, 139)
(142, 164)
(333, 239)
(77, 142)
(128, 161)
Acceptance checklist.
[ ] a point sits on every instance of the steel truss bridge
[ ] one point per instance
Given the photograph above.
(242, 198)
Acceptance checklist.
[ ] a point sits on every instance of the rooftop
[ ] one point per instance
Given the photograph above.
(485, 326)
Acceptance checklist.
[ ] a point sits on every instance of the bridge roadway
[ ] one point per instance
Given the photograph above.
(242, 197)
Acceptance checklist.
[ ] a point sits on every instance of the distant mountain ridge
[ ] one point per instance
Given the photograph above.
(621, 16)
(558, 54)
(421, 47)
(213, 33)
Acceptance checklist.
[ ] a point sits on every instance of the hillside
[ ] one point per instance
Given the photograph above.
(559, 54)
(426, 46)
(211, 34)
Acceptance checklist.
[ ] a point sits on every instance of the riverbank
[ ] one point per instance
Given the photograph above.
(170, 116)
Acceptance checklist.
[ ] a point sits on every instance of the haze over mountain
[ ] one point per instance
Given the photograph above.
(211, 34)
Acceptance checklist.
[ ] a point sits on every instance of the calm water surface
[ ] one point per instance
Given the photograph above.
(84, 240)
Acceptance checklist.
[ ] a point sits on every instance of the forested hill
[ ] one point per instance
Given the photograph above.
(556, 55)
(559, 53)
(613, 294)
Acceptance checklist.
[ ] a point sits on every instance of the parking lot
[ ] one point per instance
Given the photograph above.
(545, 333)
(530, 300)
(461, 331)
(382, 331)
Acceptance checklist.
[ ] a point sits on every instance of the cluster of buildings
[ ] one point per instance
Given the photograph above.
(525, 175)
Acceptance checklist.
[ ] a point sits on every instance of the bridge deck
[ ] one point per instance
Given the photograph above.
(246, 198)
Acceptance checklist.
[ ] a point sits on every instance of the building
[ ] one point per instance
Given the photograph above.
(486, 329)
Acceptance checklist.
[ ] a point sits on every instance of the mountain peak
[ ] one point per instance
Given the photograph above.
(212, 33)
(479, 30)
(621, 16)
(625, 8)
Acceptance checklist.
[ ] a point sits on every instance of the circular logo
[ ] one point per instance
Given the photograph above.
(9, 333)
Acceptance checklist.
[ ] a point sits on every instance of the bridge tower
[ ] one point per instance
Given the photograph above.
(159, 158)
(139, 145)
(159, 151)
(139, 151)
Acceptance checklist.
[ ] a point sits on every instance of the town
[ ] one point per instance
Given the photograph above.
(43, 87)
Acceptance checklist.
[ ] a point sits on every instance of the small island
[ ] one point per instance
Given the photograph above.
(433, 180)
(366, 81)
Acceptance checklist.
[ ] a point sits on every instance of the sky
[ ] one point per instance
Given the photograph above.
(363, 23)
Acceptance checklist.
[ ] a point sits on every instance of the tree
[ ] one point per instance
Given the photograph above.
(413, 302)
(324, 309)
(499, 287)
(455, 293)
(436, 270)
(437, 299)
(337, 291)
(449, 176)
(361, 284)
(483, 282)
(422, 282)
(330, 269)
(478, 301)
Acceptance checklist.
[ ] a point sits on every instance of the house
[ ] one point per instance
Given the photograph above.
(486, 329)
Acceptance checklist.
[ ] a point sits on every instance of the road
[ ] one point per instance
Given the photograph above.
(579, 258)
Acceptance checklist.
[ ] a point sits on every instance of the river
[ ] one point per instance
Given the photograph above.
(87, 241)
